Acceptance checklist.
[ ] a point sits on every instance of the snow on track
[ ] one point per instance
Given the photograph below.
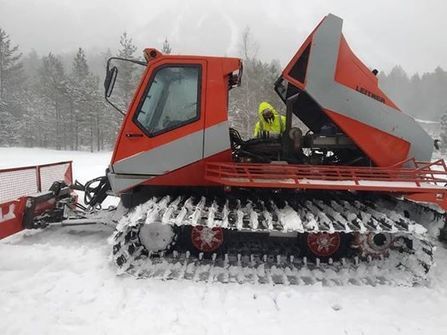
(60, 281)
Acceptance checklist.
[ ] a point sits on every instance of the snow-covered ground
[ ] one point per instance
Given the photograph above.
(60, 281)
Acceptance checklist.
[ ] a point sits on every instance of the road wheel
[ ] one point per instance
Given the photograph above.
(324, 246)
(206, 239)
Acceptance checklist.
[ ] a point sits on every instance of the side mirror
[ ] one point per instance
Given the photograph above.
(236, 78)
(109, 81)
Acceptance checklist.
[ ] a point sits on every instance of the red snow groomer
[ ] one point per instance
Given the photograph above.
(201, 202)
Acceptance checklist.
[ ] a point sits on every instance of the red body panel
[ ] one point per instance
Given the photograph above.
(11, 217)
(390, 149)
(352, 73)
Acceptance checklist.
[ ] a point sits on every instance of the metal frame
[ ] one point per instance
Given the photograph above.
(424, 177)
(38, 171)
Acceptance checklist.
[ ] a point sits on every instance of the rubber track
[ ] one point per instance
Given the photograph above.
(303, 214)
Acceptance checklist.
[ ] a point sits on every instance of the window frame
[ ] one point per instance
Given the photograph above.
(146, 131)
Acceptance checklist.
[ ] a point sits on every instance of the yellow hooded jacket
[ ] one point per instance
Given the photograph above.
(278, 126)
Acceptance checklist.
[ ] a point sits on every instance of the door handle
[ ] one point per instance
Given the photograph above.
(134, 135)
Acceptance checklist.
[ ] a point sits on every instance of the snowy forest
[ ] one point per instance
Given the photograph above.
(57, 100)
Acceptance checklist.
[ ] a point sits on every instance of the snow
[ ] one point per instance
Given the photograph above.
(60, 281)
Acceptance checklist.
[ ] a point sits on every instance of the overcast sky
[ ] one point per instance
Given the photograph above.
(382, 33)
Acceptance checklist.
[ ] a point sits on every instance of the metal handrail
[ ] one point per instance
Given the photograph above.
(422, 176)
(34, 166)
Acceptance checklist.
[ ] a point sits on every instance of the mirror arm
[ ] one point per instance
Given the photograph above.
(114, 106)
(108, 71)
(135, 61)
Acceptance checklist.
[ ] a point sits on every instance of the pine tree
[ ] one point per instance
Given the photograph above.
(6, 121)
(87, 107)
(53, 88)
(166, 48)
(421, 96)
(11, 76)
(78, 98)
(248, 47)
(80, 66)
(31, 64)
(32, 127)
(126, 81)
(443, 134)
(11, 89)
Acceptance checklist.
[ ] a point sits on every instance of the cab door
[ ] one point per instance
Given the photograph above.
(164, 129)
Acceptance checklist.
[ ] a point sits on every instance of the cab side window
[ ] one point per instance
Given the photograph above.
(173, 99)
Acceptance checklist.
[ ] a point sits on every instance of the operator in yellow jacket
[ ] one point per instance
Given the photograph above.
(270, 122)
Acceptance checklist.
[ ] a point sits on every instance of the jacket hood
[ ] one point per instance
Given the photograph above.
(265, 105)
